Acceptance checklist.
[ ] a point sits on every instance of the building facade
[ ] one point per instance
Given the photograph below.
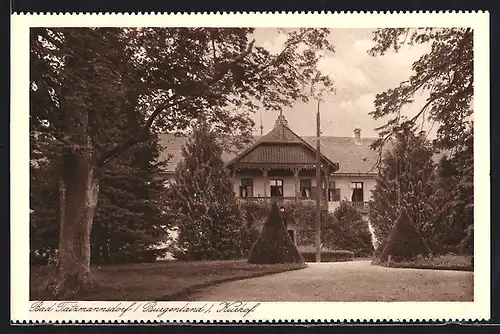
(281, 166)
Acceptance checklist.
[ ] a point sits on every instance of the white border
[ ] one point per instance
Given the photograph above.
(479, 309)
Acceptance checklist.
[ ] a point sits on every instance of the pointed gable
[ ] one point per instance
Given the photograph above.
(280, 145)
(281, 133)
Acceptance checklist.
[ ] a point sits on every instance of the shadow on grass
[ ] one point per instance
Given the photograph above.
(161, 280)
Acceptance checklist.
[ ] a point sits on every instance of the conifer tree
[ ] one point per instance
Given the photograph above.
(203, 203)
(349, 230)
(406, 181)
(129, 224)
(454, 197)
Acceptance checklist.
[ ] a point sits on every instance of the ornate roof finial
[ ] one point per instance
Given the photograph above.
(281, 120)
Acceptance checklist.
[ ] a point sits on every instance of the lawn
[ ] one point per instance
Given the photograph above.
(442, 262)
(161, 280)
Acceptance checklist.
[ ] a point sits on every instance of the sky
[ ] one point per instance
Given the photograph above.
(357, 76)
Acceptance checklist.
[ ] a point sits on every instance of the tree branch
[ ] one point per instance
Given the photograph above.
(412, 121)
(221, 70)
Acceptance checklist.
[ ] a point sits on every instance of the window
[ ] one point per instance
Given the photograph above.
(305, 188)
(276, 187)
(357, 192)
(333, 192)
(246, 188)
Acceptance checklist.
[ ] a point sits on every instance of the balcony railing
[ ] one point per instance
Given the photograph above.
(363, 207)
(268, 199)
(311, 200)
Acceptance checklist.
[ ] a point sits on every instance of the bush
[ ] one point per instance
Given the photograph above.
(440, 262)
(344, 229)
(274, 244)
(327, 255)
(350, 231)
(405, 241)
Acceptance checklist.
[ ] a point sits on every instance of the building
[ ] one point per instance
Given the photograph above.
(280, 165)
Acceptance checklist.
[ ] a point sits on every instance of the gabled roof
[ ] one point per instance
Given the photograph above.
(281, 133)
(352, 156)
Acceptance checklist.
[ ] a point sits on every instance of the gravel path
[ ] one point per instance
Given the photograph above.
(347, 281)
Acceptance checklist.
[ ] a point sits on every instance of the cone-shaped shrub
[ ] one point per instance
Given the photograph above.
(405, 241)
(274, 244)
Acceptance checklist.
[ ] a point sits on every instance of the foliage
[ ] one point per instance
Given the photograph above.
(203, 203)
(343, 229)
(130, 225)
(44, 198)
(304, 216)
(350, 231)
(440, 262)
(97, 92)
(129, 222)
(406, 181)
(274, 244)
(253, 215)
(445, 72)
(308, 253)
(170, 75)
(454, 197)
(405, 240)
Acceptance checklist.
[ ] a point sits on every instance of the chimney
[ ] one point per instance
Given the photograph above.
(357, 133)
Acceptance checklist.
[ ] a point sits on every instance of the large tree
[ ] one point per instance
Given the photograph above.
(454, 198)
(83, 80)
(406, 181)
(446, 74)
(129, 222)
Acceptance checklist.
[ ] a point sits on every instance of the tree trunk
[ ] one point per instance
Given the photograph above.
(79, 190)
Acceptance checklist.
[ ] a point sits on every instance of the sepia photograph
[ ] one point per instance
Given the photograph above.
(232, 167)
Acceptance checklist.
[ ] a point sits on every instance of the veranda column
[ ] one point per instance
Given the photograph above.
(233, 178)
(327, 184)
(324, 191)
(265, 173)
(296, 180)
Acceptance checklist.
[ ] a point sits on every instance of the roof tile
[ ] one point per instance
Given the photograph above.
(352, 156)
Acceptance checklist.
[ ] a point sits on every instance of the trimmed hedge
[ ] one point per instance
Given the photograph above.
(274, 244)
(440, 262)
(405, 240)
(348, 232)
(329, 256)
